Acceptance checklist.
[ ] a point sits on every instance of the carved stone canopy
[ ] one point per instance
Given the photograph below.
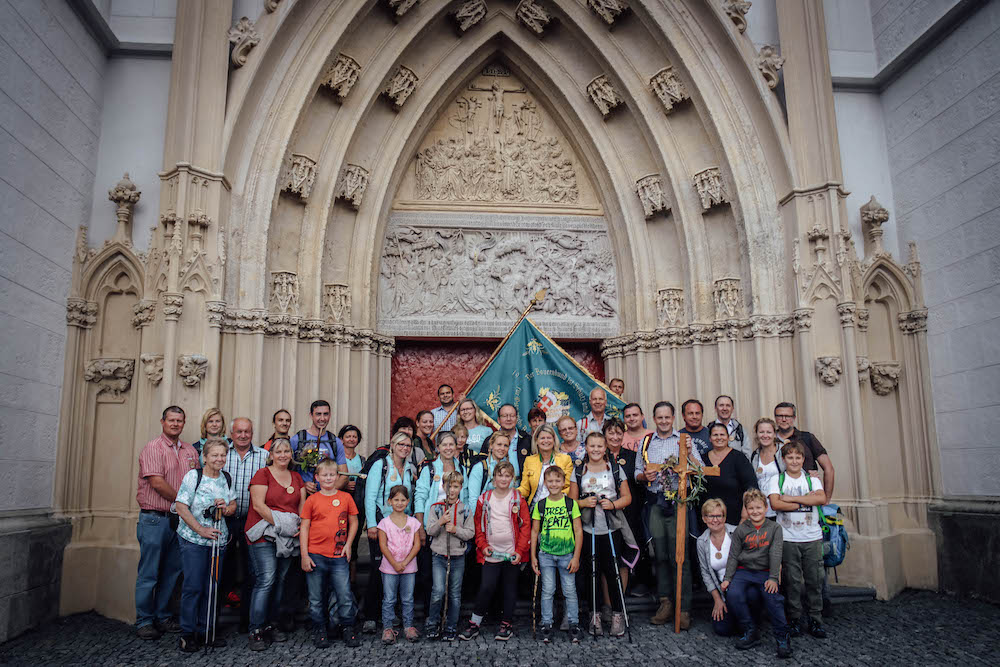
(337, 303)
(710, 187)
(728, 299)
(608, 10)
(400, 7)
(400, 86)
(533, 16)
(112, 376)
(284, 293)
(668, 88)
(603, 94)
(470, 13)
(341, 76)
(352, 185)
(650, 191)
(298, 175)
(670, 307)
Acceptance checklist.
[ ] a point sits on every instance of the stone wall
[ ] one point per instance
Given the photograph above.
(898, 24)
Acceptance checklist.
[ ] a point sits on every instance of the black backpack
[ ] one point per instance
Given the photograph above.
(362, 482)
(616, 472)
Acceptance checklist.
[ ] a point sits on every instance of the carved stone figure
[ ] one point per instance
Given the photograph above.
(298, 175)
(192, 368)
(336, 303)
(400, 86)
(533, 16)
(341, 76)
(244, 37)
(352, 185)
(728, 298)
(112, 376)
(284, 292)
(710, 187)
(829, 369)
(670, 307)
(603, 94)
(885, 376)
(769, 62)
(470, 13)
(152, 366)
(609, 10)
(400, 7)
(650, 191)
(668, 87)
(737, 10)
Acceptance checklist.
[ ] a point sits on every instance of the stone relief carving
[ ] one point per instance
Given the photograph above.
(829, 369)
(284, 293)
(298, 175)
(271, 5)
(352, 185)
(152, 366)
(885, 376)
(650, 191)
(670, 306)
(112, 376)
(80, 313)
(192, 368)
(609, 10)
(244, 37)
(668, 88)
(803, 318)
(336, 302)
(864, 369)
(847, 311)
(173, 305)
(143, 313)
(496, 149)
(863, 316)
(400, 86)
(710, 187)
(737, 11)
(124, 195)
(282, 325)
(728, 298)
(244, 321)
(341, 76)
(603, 94)
(914, 321)
(470, 13)
(400, 7)
(769, 62)
(216, 312)
(873, 216)
(533, 16)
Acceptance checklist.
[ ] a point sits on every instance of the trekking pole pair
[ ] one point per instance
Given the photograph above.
(213, 581)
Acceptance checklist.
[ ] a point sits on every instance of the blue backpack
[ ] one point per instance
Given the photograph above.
(835, 539)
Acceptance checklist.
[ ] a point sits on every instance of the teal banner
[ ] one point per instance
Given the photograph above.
(531, 369)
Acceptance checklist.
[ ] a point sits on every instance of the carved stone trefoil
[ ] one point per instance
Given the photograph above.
(670, 307)
(609, 10)
(352, 185)
(284, 293)
(298, 175)
(737, 11)
(341, 75)
(400, 7)
(400, 86)
(336, 303)
(112, 376)
(124, 195)
(829, 369)
(244, 37)
(873, 216)
(81, 313)
(603, 94)
(533, 16)
(650, 191)
(728, 298)
(152, 366)
(769, 62)
(192, 368)
(710, 187)
(470, 13)
(885, 376)
(668, 88)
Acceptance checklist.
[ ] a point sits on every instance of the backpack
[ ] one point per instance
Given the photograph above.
(201, 473)
(616, 472)
(835, 539)
(362, 482)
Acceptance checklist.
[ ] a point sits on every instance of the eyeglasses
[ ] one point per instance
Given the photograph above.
(715, 516)
(403, 444)
(784, 416)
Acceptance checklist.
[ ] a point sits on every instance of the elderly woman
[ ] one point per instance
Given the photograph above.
(543, 455)
(202, 490)
(276, 498)
(471, 418)
(735, 472)
(569, 432)
(713, 555)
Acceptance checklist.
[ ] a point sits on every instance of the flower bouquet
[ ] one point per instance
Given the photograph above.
(307, 458)
(670, 481)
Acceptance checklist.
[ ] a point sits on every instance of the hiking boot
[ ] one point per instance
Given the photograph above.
(351, 637)
(827, 608)
(449, 636)
(664, 612)
(320, 639)
(369, 628)
(148, 632)
(595, 625)
(432, 631)
(546, 634)
(471, 631)
(337, 633)
(504, 632)
(412, 635)
(816, 629)
(275, 635)
(748, 639)
(388, 636)
(188, 643)
(795, 627)
(784, 646)
(685, 620)
(574, 633)
(257, 640)
(617, 624)
(169, 625)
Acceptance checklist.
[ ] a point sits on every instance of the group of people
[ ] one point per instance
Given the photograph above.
(480, 510)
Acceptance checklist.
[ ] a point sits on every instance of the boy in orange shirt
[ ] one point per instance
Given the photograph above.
(329, 524)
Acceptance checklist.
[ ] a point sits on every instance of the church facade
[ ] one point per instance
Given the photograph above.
(707, 203)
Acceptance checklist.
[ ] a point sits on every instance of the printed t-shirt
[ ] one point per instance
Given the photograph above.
(198, 501)
(276, 498)
(555, 535)
(328, 522)
(801, 525)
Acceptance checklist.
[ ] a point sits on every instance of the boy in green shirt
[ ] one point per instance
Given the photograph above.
(556, 540)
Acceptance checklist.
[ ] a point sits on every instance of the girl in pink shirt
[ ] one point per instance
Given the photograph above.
(399, 540)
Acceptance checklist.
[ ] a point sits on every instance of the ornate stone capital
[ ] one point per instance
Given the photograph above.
(914, 321)
(341, 75)
(668, 88)
(769, 62)
(803, 318)
(192, 368)
(885, 376)
(352, 185)
(533, 16)
(152, 366)
(608, 10)
(284, 293)
(864, 369)
(670, 306)
(337, 303)
(244, 321)
(244, 37)
(282, 325)
(829, 369)
(400, 7)
(650, 191)
(737, 11)
(765, 326)
(80, 313)
(311, 330)
(603, 94)
(863, 315)
(847, 312)
(702, 334)
(298, 175)
(173, 305)
(216, 311)
(400, 86)
(143, 313)
(711, 189)
(469, 14)
(728, 298)
(112, 376)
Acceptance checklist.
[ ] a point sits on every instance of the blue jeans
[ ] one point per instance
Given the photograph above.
(738, 600)
(159, 568)
(401, 586)
(197, 562)
(550, 566)
(439, 570)
(269, 572)
(331, 575)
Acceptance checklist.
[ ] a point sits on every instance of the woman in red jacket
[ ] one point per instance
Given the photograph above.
(503, 531)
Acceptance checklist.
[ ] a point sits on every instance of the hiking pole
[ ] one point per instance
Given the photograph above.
(534, 597)
(213, 583)
(621, 591)
(594, 613)
(447, 574)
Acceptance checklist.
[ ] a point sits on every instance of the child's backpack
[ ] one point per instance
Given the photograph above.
(835, 539)
(361, 483)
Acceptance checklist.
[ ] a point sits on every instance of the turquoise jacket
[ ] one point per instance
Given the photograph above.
(429, 486)
(377, 492)
(480, 483)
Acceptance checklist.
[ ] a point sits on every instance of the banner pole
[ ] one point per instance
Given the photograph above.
(535, 300)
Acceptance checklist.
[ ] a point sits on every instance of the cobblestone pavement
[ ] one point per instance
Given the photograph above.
(916, 628)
